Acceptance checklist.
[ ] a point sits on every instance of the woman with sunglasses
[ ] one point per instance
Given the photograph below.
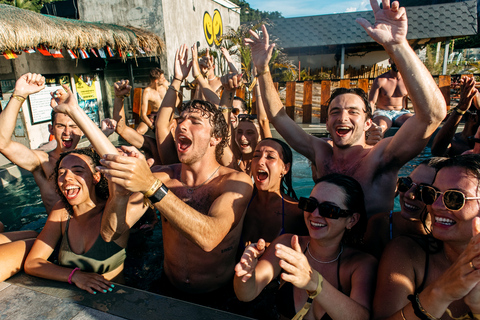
(427, 282)
(412, 219)
(323, 275)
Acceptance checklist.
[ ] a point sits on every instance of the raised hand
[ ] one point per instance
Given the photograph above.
(91, 282)
(131, 172)
(182, 67)
(467, 92)
(28, 84)
(122, 88)
(226, 55)
(63, 101)
(108, 126)
(390, 26)
(249, 259)
(195, 64)
(207, 60)
(261, 48)
(374, 134)
(231, 81)
(296, 266)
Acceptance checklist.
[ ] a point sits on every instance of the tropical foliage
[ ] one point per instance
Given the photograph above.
(248, 14)
(33, 5)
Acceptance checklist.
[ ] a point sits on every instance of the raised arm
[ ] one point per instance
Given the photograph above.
(261, 54)
(390, 31)
(206, 231)
(203, 84)
(265, 131)
(165, 141)
(139, 141)
(442, 143)
(16, 152)
(373, 94)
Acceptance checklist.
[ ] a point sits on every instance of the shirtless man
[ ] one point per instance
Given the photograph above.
(39, 163)
(349, 114)
(388, 98)
(202, 203)
(207, 68)
(152, 99)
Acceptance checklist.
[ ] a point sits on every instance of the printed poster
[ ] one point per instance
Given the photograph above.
(87, 95)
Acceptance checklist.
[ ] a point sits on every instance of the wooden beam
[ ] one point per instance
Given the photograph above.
(325, 95)
(290, 99)
(307, 101)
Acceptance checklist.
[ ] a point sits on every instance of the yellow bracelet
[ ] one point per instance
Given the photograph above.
(267, 70)
(319, 286)
(196, 77)
(19, 98)
(157, 184)
(460, 112)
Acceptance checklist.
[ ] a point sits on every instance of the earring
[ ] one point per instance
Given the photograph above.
(281, 175)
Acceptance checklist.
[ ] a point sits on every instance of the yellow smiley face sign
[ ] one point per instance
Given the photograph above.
(217, 28)
(213, 28)
(208, 28)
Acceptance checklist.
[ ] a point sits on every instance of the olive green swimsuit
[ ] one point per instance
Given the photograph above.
(102, 257)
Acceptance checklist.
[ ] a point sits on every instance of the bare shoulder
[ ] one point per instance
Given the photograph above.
(232, 175)
(59, 212)
(358, 259)
(403, 249)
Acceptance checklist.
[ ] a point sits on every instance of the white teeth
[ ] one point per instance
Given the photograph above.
(262, 171)
(444, 221)
(71, 187)
(410, 207)
(317, 225)
(68, 139)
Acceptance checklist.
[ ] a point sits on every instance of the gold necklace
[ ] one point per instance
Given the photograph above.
(190, 190)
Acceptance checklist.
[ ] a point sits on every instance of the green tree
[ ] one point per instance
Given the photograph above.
(248, 14)
(33, 5)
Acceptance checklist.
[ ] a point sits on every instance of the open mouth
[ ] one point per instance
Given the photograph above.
(317, 224)
(71, 192)
(67, 143)
(410, 207)
(244, 145)
(183, 143)
(262, 175)
(342, 131)
(444, 221)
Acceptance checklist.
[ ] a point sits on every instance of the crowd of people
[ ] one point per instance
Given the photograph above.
(235, 235)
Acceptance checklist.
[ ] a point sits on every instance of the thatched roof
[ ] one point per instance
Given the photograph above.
(21, 29)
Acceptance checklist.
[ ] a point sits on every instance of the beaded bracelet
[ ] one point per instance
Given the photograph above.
(460, 112)
(71, 275)
(19, 98)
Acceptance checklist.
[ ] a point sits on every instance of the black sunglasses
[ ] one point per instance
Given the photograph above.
(404, 184)
(247, 116)
(452, 199)
(325, 209)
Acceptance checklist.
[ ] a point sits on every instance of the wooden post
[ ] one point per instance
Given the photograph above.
(137, 104)
(444, 85)
(307, 101)
(240, 93)
(363, 84)
(325, 95)
(290, 99)
(345, 83)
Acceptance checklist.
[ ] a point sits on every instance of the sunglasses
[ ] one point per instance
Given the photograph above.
(405, 184)
(452, 199)
(235, 111)
(244, 116)
(325, 209)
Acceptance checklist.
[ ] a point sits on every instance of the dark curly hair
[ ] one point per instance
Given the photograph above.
(357, 91)
(286, 186)
(216, 120)
(101, 188)
(355, 202)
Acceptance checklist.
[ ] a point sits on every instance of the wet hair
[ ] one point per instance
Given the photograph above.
(357, 91)
(155, 74)
(101, 188)
(216, 120)
(355, 202)
(244, 105)
(286, 186)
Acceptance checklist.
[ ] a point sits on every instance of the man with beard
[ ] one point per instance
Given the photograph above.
(388, 98)
(202, 203)
(40, 163)
(349, 114)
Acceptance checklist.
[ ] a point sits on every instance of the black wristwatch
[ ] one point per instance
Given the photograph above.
(159, 194)
(473, 139)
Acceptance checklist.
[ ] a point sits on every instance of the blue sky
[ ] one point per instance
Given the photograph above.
(298, 8)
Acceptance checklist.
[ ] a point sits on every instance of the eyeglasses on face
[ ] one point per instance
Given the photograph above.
(235, 111)
(452, 199)
(325, 209)
(405, 183)
(244, 116)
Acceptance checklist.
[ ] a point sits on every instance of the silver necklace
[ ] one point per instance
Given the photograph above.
(320, 261)
(192, 189)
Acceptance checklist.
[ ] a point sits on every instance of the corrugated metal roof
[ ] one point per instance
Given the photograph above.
(434, 21)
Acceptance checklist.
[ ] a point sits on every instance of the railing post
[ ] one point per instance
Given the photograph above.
(444, 85)
(307, 101)
(325, 95)
(363, 84)
(290, 99)
(345, 83)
